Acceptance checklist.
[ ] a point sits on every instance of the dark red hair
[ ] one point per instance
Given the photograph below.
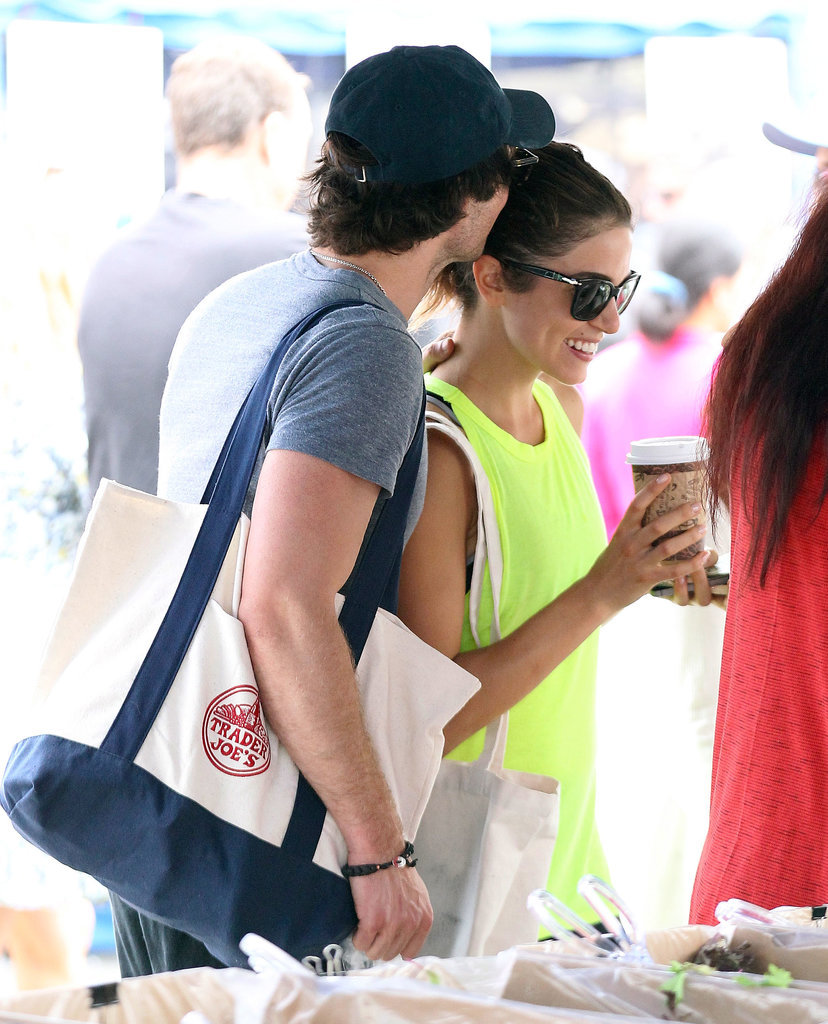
(768, 402)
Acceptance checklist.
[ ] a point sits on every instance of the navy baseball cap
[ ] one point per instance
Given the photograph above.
(430, 112)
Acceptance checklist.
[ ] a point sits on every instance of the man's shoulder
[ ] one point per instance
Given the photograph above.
(285, 291)
(364, 344)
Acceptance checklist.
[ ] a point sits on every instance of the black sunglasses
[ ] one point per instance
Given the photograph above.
(592, 294)
(522, 161)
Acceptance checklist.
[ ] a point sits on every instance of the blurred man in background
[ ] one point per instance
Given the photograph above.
(241, 126)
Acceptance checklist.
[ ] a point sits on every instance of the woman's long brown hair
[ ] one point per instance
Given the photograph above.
(768, 402)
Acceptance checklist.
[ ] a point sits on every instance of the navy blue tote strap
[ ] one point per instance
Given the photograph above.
(224, 496)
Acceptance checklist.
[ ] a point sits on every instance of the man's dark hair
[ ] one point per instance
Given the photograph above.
(354, 217)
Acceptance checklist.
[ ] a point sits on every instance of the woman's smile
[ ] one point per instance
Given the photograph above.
(585, 349)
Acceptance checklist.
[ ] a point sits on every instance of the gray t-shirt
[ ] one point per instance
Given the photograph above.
(349, 391)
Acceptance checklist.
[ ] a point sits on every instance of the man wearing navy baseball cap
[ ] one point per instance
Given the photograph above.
(422, 145)
(430, 112)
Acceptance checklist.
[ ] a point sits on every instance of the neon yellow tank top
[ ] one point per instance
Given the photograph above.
(551, 532)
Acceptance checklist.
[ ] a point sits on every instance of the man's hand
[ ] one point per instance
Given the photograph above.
(437, 351)
(394, 913)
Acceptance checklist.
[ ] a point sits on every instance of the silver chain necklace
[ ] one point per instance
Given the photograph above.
(352, 266)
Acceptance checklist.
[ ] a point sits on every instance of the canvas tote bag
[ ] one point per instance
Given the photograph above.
(146, 761)
(487, 836)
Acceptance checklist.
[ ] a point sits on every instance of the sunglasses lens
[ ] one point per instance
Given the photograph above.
(590, 298)
(626, 293)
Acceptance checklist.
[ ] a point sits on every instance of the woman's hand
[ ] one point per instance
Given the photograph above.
(635, 558)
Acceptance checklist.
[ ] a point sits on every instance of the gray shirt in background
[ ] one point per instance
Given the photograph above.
(138, 294)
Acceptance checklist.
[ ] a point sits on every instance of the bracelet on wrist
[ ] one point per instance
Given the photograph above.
(405, 860)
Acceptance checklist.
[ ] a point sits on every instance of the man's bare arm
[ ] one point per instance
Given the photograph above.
(308, 521)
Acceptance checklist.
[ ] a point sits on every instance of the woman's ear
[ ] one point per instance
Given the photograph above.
(488, 276)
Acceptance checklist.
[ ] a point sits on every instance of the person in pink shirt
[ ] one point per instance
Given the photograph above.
(654, 382)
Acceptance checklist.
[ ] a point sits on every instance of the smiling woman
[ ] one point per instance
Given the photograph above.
(560, 579)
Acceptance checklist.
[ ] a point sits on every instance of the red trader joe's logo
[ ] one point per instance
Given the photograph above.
(234, 735)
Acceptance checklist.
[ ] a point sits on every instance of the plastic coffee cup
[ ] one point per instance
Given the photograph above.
(683, 458)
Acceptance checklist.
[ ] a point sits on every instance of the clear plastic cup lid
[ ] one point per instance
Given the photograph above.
(666, 451)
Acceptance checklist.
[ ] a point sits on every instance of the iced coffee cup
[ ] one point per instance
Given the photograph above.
(683, 458)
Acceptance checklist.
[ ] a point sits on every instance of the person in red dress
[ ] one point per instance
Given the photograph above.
(767, 423)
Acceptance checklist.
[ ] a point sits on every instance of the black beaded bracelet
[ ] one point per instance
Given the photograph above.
(405, 860)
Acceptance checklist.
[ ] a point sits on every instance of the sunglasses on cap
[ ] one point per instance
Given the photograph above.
(522, 161)
(592, 294)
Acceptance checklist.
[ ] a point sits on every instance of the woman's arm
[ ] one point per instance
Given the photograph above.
(433, 576)
(433, 584)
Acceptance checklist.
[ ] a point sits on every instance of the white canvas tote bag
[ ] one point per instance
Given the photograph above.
(146, 761)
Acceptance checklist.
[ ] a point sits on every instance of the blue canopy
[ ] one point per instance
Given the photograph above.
(601, 29)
